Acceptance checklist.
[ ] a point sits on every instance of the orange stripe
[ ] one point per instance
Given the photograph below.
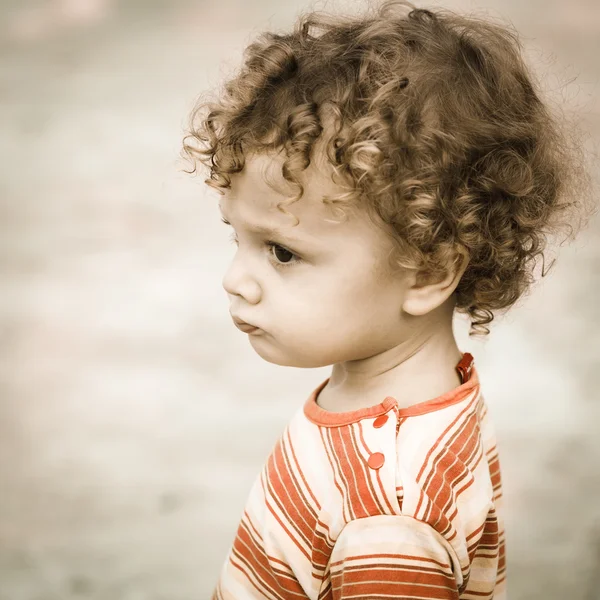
(286, 529)
(315, 501)
(276, 489)
(293, 474)
(321, 551)
(251, 567)
(435, 447)
(365, 469)
(395, 555)
(406, 584)
(292, 502)
(357, 490)
(355, 507)
(438, 486)
(327, 446)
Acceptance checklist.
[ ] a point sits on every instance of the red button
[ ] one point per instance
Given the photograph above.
(376, 460)
(380, 421)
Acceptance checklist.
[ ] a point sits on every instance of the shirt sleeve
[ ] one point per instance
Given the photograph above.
(393, 556)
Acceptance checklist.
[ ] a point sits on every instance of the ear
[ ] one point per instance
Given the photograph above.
(424, 295)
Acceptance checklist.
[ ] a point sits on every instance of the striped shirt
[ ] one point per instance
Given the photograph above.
(380, 502)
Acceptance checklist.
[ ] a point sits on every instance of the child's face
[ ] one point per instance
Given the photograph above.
(339, 303)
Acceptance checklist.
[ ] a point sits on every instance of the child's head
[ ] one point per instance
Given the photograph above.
(319, 288)
(425, 132)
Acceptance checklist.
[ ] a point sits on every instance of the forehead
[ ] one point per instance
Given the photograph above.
(258, 189)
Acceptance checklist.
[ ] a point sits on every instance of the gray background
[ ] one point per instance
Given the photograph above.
(133, 415)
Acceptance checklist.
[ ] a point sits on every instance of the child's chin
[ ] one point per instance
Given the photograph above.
(269, 352)
(278, 356)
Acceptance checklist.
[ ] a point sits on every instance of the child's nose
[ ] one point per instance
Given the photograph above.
(238, 281)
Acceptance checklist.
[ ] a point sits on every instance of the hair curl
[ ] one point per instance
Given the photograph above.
(440, 133)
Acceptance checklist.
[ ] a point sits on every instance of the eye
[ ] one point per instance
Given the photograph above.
(277, 249)
(289, 258)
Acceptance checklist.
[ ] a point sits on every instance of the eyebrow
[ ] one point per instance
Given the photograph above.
(269, 231)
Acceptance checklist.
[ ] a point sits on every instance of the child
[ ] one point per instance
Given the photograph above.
(424, 132)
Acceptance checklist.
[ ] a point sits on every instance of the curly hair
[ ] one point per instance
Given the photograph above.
(440, 133)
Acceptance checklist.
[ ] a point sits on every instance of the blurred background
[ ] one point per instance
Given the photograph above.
(134, 416)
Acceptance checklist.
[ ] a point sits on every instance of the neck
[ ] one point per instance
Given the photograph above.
(412, 371)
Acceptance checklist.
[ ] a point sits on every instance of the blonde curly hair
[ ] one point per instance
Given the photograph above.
(440, 134)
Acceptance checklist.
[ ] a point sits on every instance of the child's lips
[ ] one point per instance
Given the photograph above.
(243, 326)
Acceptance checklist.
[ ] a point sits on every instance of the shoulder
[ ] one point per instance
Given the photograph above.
(446, 465)
(445, 451)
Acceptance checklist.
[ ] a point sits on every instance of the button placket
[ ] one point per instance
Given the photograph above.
(377, 459)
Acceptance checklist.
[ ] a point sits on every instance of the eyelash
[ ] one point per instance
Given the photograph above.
(296, 259)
